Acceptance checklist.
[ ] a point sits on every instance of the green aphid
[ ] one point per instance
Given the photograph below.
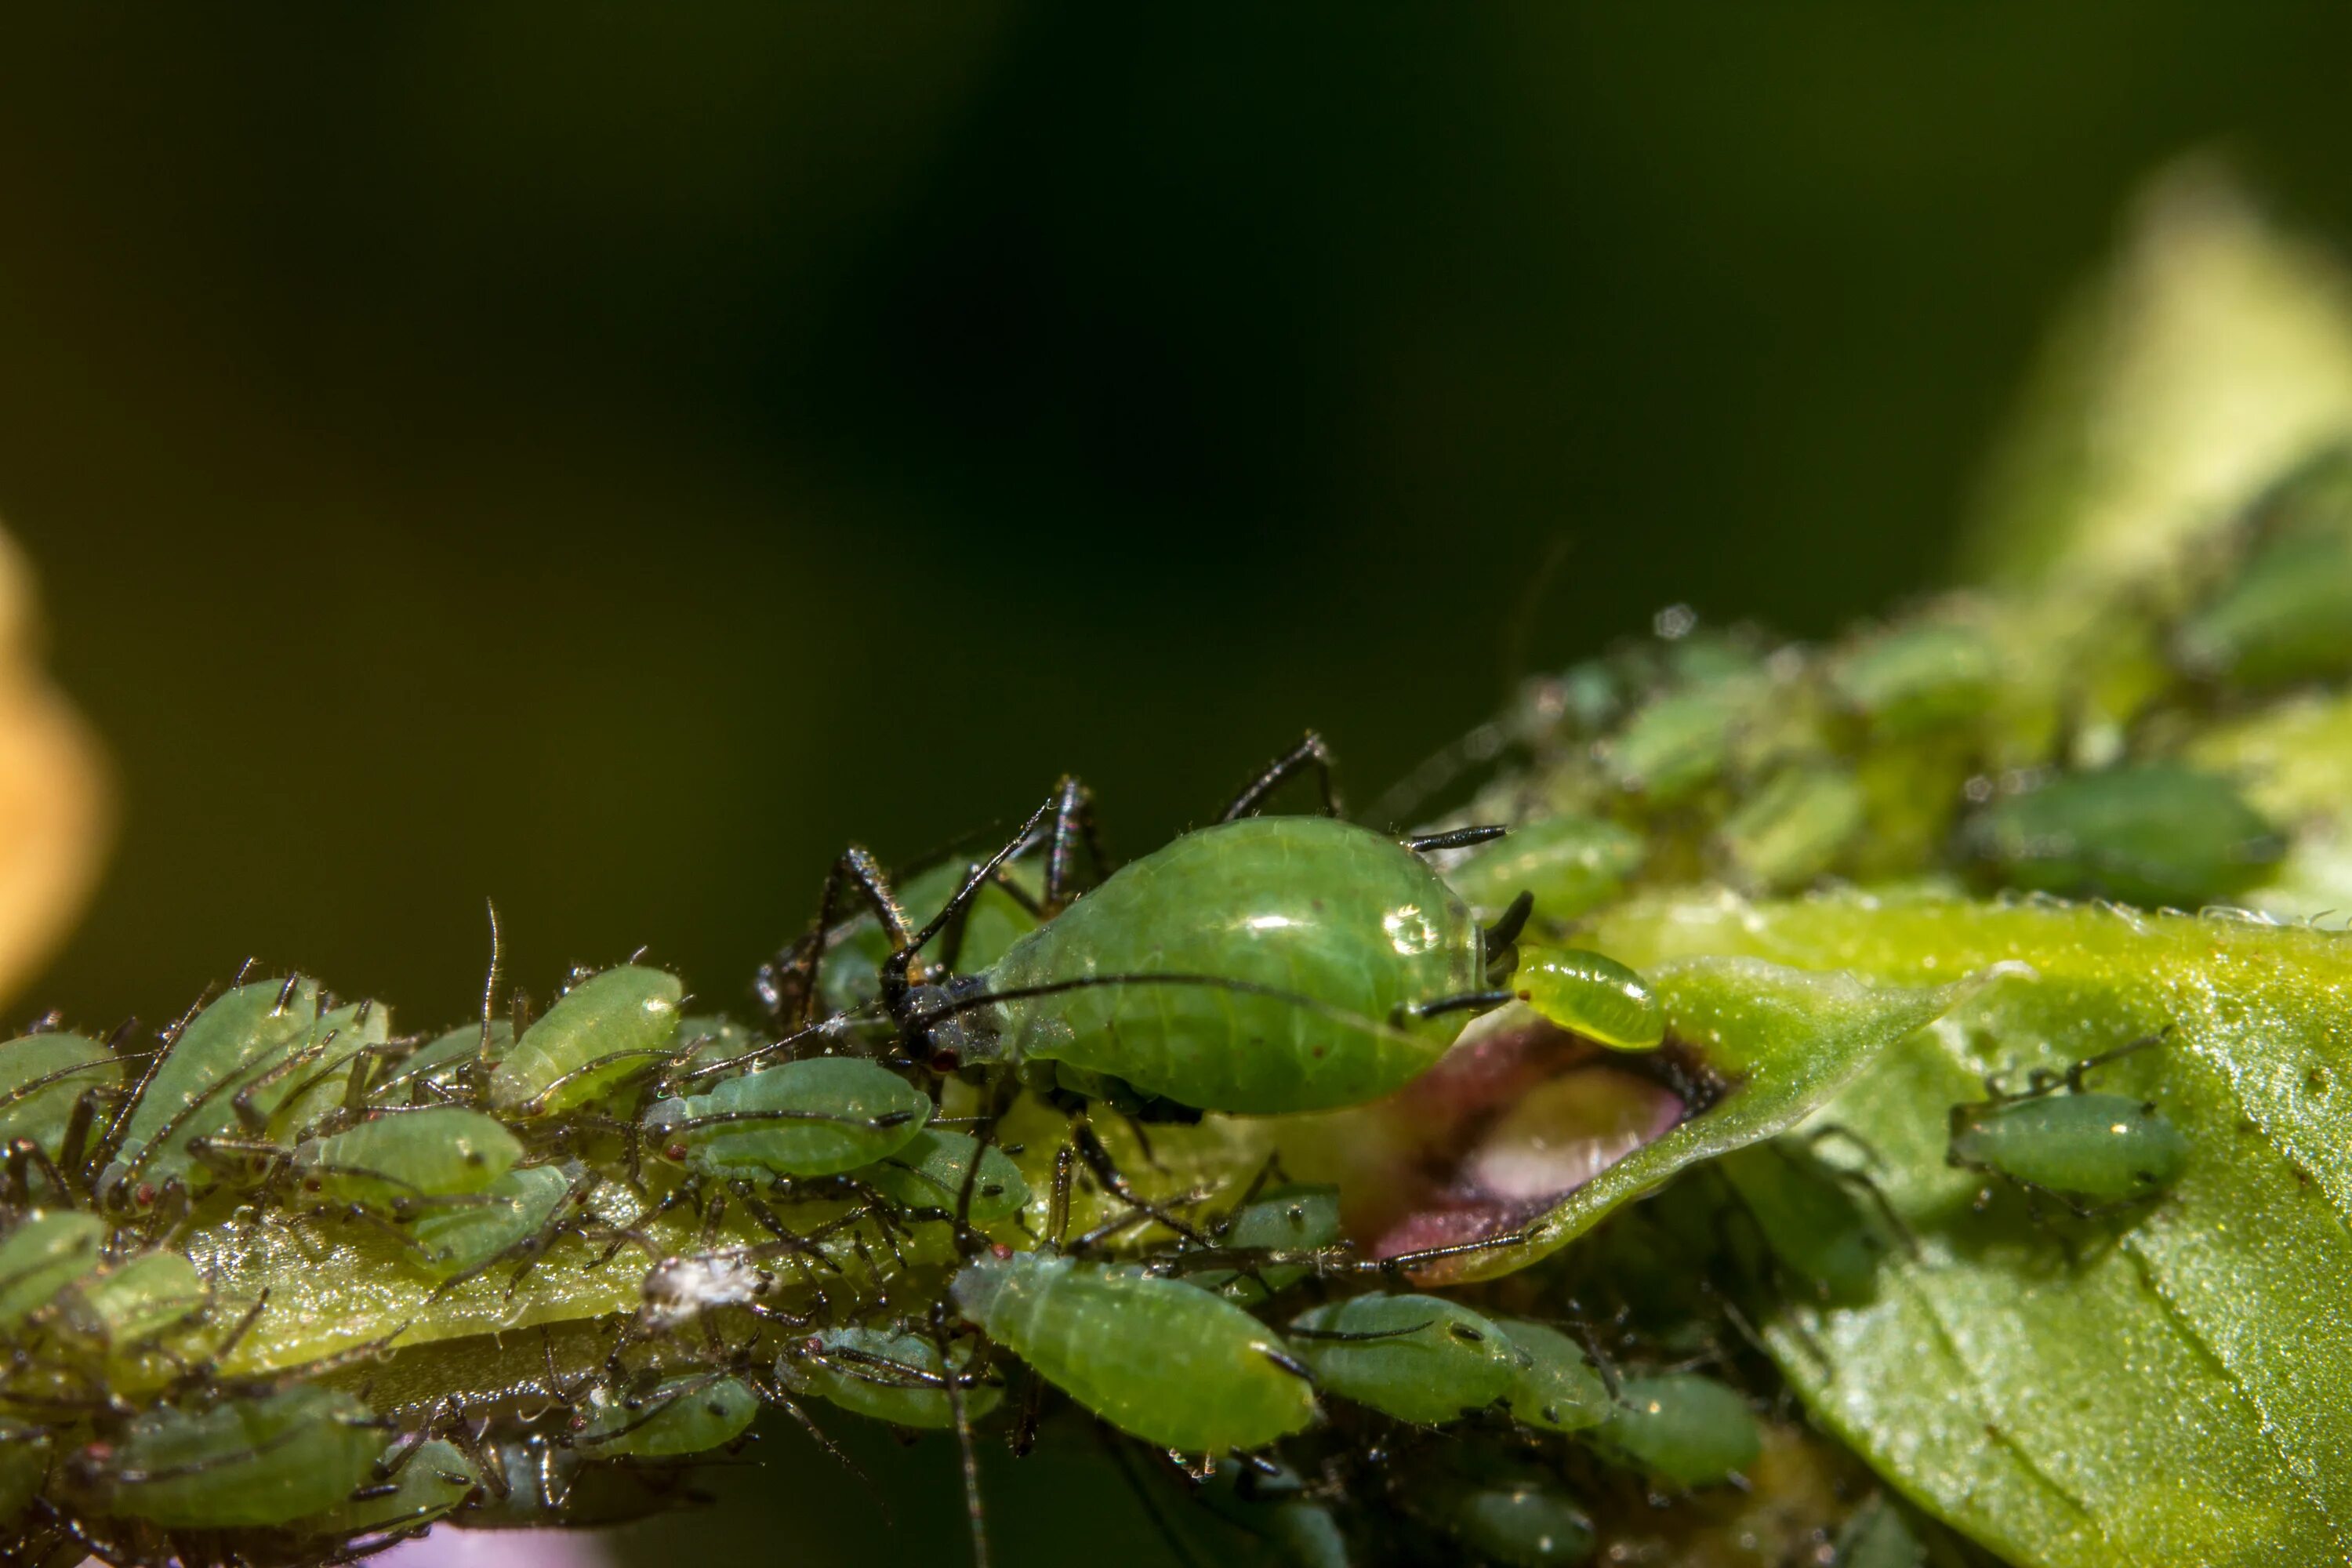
(1276, 1509)
(1591, 995)
(124, 1311)
(519, 1212)
(2286, 614)
(1877, 1536)
(1921, 677)
(44, 1252)
(848, 977)
(41, 1077)
(929, 1171)
(2085, 1147)
(1520, 1517)
(190, 1091)
(1301, 1218)
(406, 1162)
(1794, 828)
(1419, 1358)
(1678, 745)
(1828, 1230)
(690, 1414)
(819, 1117)
(1180, 1368)
(1681, 1428)
(613, 1027)
(411, 1485)
(888, 1374)
(1571, 864)
(2153, 834)
(315, 1084)
(436, 1070)
(1556, 1387)
(24, 1453)
(241, 1462)
(1259, 966)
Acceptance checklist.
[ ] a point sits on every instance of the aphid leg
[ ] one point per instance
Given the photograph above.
(79, 1122)
(25, 1156)
(1024, 1435)
(1057, 1205)
(1106, 1171)
(251, 1116)
(1820, 1135)
(2075, 1074)
(1310, 752)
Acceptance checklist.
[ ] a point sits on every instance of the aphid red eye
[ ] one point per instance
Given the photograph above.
(143, 1195)
(999, 1251)
(674, 1152)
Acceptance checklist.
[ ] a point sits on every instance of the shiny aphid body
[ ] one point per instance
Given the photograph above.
(888, 1374)
(1420, 1359)
(614, 1028)
(1591, 995)
(1683, 1429)
(817, 1117)
(2087, 1149)
(241, 1462)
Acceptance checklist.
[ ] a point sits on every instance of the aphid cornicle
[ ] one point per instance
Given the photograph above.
(2082, 1147)
(1176, 1366)
(1259, 966)
(243, 1462)
(403, 1162)
(818, 1116)
(1683, 1429)
(615, 1026)
(1590, 994)
(888, 1374)
(1422, 1359)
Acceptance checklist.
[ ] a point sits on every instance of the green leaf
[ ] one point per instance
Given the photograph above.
(2171, 1384)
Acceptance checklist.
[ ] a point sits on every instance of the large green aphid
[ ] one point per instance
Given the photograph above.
(45, 1251)
(1176, 1366)
(1683, 1429)
(819, 1117)
(932, 1174)
(42, 1077)
(888, 1374)
(2152, 833)
(242, 1462)
(690, 1414)
(2082, 1147)
(1419, 1358)
(188, 1091)
(517, 1216)
(1571, 864)
(404, 1162)
(614, 1028)
(1591, 995)
(1260, 966)
(1556, 1387)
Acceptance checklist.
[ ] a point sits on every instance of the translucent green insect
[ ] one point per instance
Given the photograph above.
(819, 1117)
(683, 1415)
(928, 1175)
(1176, 1366)
(1285, 1219)
(2287, 613)
(2084, 1148)
(1263, 966)
(187, 1092)
(412, 1483)
(613, 1028)
(242, 1462)
(1681, 1428)
(1556, 1387)
(889, 1375)
(1792, 829)
(24, 1453)
(1422, 1359)
(1679, 743)
(1591, 995)
(1927, 676)
(402, 1162)
(1571, 864)
(518, 1214)
(1519, 1517)
(42, 1079)
(45, 1251)
(2153, 834)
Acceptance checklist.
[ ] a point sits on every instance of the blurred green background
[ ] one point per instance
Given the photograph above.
(604, 461)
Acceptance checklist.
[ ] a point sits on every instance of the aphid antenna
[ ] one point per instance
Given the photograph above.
(2075, 1074)
(1311, 751)
(117, 1126)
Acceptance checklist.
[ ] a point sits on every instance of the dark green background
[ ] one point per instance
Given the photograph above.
(604, 462)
